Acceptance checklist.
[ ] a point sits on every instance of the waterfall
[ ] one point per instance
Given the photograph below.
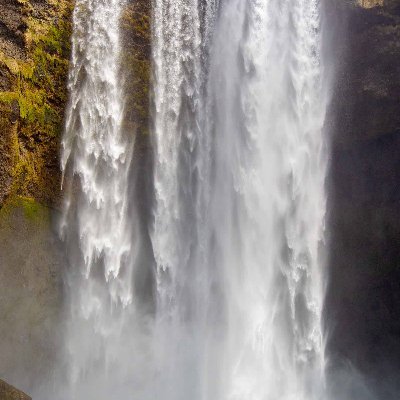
(240, 202)
(268, 195)
(96, 225)
(238, 213)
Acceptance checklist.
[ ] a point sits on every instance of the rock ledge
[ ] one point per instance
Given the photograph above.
(8, 392)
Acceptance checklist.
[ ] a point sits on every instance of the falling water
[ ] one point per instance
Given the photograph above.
(96, 156)
(239, 206)
(240, 203)
(268, 197)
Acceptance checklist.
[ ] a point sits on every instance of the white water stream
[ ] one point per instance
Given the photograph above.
(96, 223)
(239, 207)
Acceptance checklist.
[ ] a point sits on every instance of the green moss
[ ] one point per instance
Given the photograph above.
(35, 111)
(8, 97)
(136, 35)
(33, 211)
(37, 96)
(26, 70)
(39, 83)
(138, 22)
(140, 78)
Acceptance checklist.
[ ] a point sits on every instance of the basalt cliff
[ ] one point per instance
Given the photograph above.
(364, 191)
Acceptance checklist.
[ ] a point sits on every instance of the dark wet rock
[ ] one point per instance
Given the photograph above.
(363, 302)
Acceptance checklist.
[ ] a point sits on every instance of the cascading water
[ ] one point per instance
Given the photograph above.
(96, 223)
(239, 206)
(239, 180)
(269, 195)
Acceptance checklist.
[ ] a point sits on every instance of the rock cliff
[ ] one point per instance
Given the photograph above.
(30, 293)
(34, 53)
(364, 184)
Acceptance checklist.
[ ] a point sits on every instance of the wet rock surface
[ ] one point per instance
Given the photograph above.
(363, 302)
(30, 294)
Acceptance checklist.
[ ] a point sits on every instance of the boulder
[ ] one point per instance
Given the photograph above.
(8, 392)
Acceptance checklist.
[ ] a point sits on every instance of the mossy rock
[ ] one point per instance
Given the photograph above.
(136, 37)
(34, 101)
(32, 210)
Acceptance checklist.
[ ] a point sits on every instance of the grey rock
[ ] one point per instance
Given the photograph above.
(30, 294)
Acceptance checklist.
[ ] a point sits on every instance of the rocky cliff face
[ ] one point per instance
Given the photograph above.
(34, 53)
(364, 296)
(31, 261)
(368, 85)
